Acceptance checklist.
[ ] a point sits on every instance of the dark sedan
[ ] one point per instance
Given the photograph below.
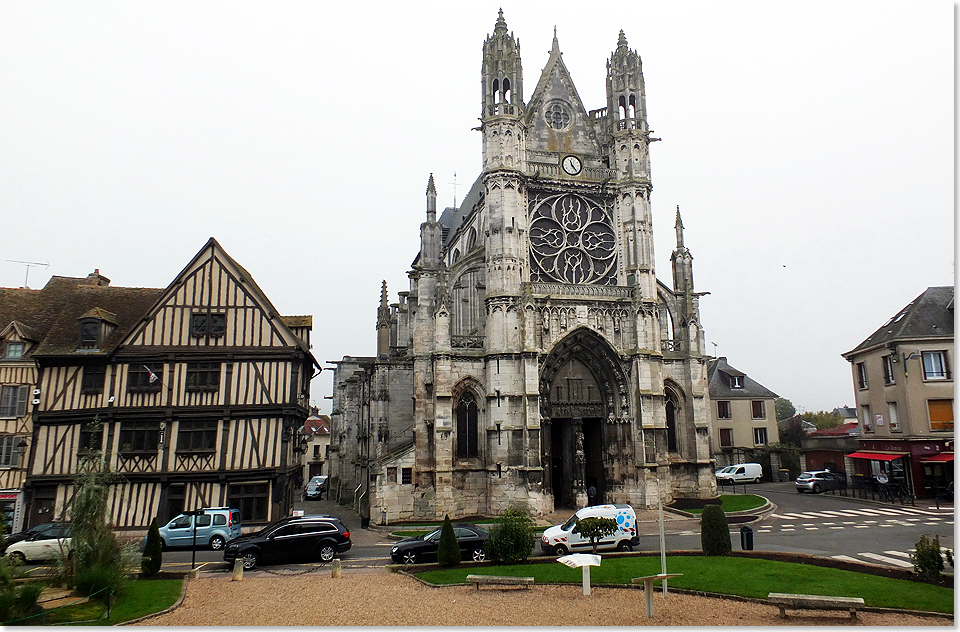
(424, 548)
(295, 539)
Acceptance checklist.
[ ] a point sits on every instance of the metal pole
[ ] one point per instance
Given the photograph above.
(193, 561)
(663, 541)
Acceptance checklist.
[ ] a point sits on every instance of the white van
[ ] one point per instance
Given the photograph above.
(565, 538)
(740, 473)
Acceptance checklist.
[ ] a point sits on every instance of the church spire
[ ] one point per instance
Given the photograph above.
(502, 75)
(679, 227)
(431, 200)
(383, 324)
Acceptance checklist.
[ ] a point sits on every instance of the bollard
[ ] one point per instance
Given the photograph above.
(237, 570)
(746, 538)
(194, 573)
(336, 569)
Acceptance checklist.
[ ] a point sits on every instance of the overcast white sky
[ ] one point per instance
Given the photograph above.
(809, 145)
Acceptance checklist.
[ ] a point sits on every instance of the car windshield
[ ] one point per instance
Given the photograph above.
(805, 475)
(566, 526)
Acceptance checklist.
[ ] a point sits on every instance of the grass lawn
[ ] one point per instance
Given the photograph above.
(744, 577)
(735, 502)
(139, 598)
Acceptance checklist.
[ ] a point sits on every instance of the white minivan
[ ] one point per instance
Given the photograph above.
(565, 538)
(740, 473)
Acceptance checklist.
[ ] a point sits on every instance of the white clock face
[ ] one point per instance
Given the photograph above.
(572, 165)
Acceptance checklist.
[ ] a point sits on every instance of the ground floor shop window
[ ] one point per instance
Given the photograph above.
(252, 499)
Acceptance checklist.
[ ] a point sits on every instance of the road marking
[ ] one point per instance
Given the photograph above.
(898, 554)
(807, 524)
(846, 558)
(838, 527)
(849, 523)
(861, 526)
(887, 560)
(887, 525)
(811, 528)
(827, 524)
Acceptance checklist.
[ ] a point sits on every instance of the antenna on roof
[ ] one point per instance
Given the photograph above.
(28, 264)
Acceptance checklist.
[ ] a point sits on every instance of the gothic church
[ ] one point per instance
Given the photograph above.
(535, 354)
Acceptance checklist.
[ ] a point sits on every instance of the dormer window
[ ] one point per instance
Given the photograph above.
(736, 381)
(90, 330)
(13, 351)
(208, 325)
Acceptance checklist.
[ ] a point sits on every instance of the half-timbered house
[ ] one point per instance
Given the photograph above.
(195, 392)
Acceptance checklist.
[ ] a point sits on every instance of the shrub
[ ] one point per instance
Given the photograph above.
(595, 528)
(928, 559)
(714, 531)
(449, 552)
(20, 601)
(152, 551)
(511, 540)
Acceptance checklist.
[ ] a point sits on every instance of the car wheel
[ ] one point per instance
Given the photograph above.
(17, 558)
(559, 550)
(409, 557)
(757, 480)
(250, 559)
(327, 552)
(479, 555)
(623, 545)
(217, 542)
(163, 545)
(816, 489)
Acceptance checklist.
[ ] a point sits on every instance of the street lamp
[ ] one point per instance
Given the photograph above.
(194, 513)
(21, 450)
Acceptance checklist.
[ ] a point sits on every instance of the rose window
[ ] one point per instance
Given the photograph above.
(571, 241)
(557, 115)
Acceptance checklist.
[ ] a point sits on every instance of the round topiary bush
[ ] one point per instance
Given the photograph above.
(714, 531)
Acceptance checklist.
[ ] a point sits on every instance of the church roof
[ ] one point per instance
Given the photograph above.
(452, 218)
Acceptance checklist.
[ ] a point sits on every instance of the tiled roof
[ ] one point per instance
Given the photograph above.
(849, 428)
(719, 374)
(316, 425)
(930, 315)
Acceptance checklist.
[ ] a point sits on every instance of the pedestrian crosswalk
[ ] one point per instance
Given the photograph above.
(900, 559)
(892, 516)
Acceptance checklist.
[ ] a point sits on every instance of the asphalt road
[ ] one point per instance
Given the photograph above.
(817, 524)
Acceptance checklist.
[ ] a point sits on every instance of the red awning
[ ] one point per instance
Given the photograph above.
(877, 456)
(939, 458)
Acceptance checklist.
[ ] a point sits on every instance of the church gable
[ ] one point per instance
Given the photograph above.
(556, 119)
(213, 302)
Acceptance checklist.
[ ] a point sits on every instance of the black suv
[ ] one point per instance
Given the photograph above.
(294, 539)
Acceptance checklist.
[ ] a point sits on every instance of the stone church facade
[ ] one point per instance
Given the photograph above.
(536, 353)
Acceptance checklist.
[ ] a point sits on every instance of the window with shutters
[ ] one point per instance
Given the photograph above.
(13, 401)
(9, 455)
(941, 414)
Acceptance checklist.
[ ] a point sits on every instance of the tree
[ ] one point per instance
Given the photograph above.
(152, 551)
(822, 419)
(792, 433)
(595, 528)
(448, 554)
(784, 408)
(714, 531)
(511, 539)
(927, 559)
(97, 563)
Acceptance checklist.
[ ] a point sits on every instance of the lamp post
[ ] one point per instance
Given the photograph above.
(194, 514)
(21, 450)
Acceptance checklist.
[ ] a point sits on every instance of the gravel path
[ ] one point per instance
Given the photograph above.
(383, 599)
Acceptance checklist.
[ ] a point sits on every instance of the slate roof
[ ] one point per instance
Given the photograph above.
(719, 373)
(452, 218)
(930, 315)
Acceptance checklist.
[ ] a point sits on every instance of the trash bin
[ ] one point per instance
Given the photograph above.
(746, 538)
(784, 476)
(364, 522)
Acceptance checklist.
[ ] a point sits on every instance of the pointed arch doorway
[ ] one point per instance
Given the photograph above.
(580, 385)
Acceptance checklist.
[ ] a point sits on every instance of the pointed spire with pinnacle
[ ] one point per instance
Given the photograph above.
(501, 25)
(679, 227)
(556, 43)
(383, 324)
(431, 200)
(622, 40)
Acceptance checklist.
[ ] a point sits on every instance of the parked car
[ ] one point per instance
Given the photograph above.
(566, 538)
(315, 488)
(215, 527)
(818, 481)
(29, 533)
(740, 473)
(294, 539)
(423, 548)
(46, 545)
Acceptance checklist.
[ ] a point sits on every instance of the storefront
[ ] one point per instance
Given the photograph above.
(916, 465)
(11, 502)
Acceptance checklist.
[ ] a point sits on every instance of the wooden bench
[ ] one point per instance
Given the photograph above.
(497, 580)
(814, 602)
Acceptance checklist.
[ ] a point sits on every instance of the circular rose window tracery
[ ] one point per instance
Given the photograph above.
(571, 241)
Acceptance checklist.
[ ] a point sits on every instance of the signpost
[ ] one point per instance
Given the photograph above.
(584, 561)
(193, 559)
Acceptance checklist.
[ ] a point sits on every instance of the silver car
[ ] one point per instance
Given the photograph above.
(818, 481)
